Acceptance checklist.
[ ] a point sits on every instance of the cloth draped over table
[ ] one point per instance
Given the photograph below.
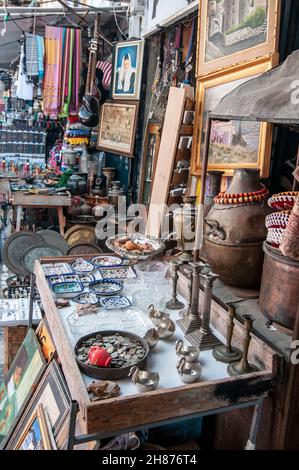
(63, 60)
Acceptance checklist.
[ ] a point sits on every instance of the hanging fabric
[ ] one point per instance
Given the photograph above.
(62, 70)
(24, 88)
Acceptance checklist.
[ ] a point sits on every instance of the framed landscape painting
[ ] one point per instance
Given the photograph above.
(127, 70)
(235, 31)
(117, 127)
(233, 144)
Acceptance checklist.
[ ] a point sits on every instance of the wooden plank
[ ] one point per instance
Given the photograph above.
(117, 414)
(166, 156)
(64, 350)
(32, 200)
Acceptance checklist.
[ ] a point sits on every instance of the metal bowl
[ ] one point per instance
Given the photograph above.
(109, 373)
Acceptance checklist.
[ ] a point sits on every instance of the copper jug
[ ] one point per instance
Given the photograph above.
(234, 234)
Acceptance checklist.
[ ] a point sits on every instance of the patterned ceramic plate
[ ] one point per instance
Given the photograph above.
(54, 269)
(104, 260)
(86, 278)
(67, 290)
(81, 265)
(105, 287)
(117, 272)
(86, 298)
(115, 303)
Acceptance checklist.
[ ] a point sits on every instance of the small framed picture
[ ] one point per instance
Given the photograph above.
(117, 127)
(36, 435)
(127, 70)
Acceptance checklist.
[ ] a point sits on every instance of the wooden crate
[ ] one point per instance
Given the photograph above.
(115, 415)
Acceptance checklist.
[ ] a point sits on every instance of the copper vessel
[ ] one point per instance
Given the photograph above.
(279, 295)
(234, 234)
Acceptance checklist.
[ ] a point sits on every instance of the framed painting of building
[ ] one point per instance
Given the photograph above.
(233, 144)
(236, 31)
(127, 70)
(117, 127)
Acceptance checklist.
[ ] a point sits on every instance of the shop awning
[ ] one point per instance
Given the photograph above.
(271, 97)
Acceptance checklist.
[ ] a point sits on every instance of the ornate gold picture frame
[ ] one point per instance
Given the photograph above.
(233, 144)
(236, 31)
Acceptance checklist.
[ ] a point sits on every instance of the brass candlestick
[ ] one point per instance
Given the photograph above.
(228, 353)
(204, 338)
(174, 303)
(243, 367)
(192, 322)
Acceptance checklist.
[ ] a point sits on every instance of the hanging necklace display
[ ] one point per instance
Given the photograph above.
(89, 111)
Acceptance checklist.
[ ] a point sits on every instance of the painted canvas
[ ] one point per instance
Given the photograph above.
(127, 70)
(236, 31)
(36, 435)
(235, 25)
(18, 385)
(117, 127)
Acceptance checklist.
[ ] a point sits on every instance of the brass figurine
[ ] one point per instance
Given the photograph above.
(144, 381)
(151, 337)
(190, 353)
(188, 371)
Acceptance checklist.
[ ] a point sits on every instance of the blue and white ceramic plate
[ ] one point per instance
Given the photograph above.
(67, 290)
(115, 303)
(86, 298)
(82, 265)
(105, 287)
(86, 278)
(106, 260)
(117, 272)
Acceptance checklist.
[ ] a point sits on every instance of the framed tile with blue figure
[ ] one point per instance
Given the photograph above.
(127, 69)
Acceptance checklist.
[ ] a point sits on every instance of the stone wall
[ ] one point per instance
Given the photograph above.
(243, 34)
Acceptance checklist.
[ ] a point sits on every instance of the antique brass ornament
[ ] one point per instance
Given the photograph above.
(227, 353)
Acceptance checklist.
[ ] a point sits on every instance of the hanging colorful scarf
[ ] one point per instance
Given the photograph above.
(53, 47)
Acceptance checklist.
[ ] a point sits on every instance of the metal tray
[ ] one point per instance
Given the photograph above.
(84, 249)
(37, 252)
(53, 238)
(80, 234)
(15, 246)
(109, 373)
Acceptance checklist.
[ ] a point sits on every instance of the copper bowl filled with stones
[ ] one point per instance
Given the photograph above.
(126, 350)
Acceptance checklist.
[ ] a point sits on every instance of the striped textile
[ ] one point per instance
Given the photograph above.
(106, 68)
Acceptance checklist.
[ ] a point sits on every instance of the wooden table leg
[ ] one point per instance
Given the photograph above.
(61, 220)
(19, 218)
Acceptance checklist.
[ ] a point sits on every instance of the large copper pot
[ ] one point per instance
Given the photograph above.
(234, 234)
(279, 295)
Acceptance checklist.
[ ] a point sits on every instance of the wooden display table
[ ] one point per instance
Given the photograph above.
(216, 392)
(35, 201)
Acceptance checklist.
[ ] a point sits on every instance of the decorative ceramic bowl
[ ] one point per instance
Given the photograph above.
(151, 270)
(105, 287)
(54, 269)
(135, 246)
(106, 260)
(67, 290)
(117, 272)
(86, 278)
(86, 298)
(81, 265)
(117, 302)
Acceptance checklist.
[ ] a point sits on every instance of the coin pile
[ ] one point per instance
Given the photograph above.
(124, 351)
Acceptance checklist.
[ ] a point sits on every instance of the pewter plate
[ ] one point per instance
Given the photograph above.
(53, 238)
(37, 252)
(110, 373)
(14, 248)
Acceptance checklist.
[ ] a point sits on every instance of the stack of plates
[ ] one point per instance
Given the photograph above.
(22, 249)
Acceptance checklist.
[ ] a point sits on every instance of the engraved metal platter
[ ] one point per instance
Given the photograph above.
(126, 349)
(14, 248)
(53, 238)
(80, 234)
(84, 249)
(37, 252)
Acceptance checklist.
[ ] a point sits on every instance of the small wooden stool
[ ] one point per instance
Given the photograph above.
(35, 201)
